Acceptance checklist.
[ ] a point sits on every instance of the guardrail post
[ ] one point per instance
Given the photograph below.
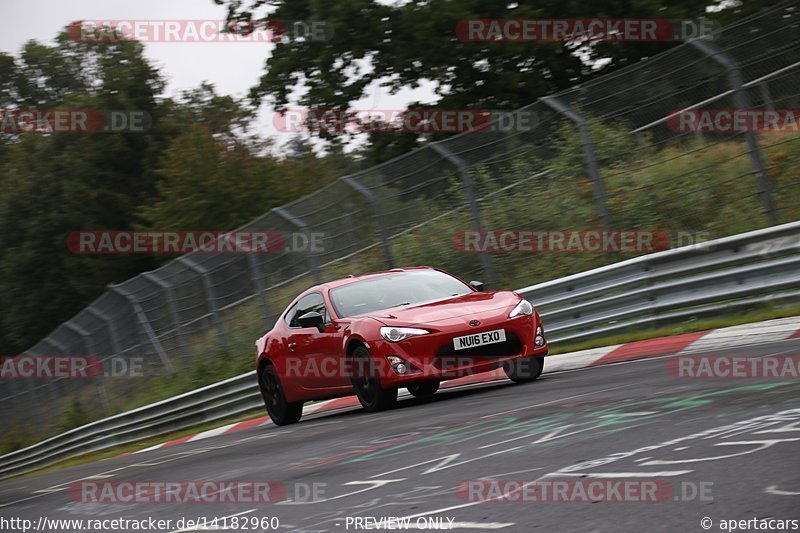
(592, 166)
(90, 348)
(145, 323)
(211, 298)
(287, 215)
(159, 282)
(741, 101)
(466, 178)
(376, 214)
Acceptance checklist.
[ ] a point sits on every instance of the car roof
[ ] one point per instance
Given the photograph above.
(352, 279)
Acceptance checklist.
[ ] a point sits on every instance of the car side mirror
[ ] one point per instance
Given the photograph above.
(312, 319)
(477, 284)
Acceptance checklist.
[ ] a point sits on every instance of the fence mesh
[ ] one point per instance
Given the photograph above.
(199, 315)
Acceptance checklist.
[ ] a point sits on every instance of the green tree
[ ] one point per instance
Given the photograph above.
(217, 175)
(398, 45)
(58, 183)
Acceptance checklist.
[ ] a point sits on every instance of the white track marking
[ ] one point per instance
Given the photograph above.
(579, 359)
(761, 445)
(210, 433)
(759, 333)
(612, 458)
(745, 334)
(773, 489)
(372, 485)
(623, 475)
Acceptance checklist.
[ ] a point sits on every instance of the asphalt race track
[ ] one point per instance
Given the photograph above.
(721, 449)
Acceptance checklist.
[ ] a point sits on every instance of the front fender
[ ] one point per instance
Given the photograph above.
(261, 345)
(366, 331)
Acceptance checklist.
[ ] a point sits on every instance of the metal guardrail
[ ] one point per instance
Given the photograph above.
(525, 171)
(733, 272)
(226, 399)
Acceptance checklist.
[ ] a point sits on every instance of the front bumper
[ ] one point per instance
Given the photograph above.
(433, 357)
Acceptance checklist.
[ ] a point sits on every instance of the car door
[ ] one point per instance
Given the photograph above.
(313, 353)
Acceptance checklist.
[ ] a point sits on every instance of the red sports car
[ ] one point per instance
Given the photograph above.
(410, 327)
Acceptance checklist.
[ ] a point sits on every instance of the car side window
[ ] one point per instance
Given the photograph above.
(306, 304)
(290, 315)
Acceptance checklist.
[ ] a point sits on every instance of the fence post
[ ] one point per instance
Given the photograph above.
(89, 346)
(466, 178)
(588, 153)
(159, 282)
(258, 282)
(53, 387)
(211, 298)
(62, 386)
(376, 214)
(112, 328)
(741, 101)
(145, 323)
(12, 414)
(766, 96)
(298, 222)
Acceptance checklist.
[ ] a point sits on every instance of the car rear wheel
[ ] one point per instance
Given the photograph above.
(367, 385)
(524, 369)
(424, 390)
(280, 411)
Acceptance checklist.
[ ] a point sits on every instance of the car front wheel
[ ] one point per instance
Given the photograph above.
(367, 385)
(280, 411)
(524, 369)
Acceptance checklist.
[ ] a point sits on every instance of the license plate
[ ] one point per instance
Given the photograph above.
(479, 339)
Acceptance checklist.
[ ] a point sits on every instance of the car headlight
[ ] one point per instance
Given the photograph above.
(522, 308)
(393, 334)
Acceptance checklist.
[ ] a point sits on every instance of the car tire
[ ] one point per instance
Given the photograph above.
(367, 385)
(524, 369)
(279, 410)
(423, 390)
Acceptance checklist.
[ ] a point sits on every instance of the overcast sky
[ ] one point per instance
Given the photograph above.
(232, 67)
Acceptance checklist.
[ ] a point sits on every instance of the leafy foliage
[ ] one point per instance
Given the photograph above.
(198, 167)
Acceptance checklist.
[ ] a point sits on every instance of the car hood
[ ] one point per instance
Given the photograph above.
(460, 309)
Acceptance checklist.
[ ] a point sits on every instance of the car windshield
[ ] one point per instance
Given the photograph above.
(393, 290)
